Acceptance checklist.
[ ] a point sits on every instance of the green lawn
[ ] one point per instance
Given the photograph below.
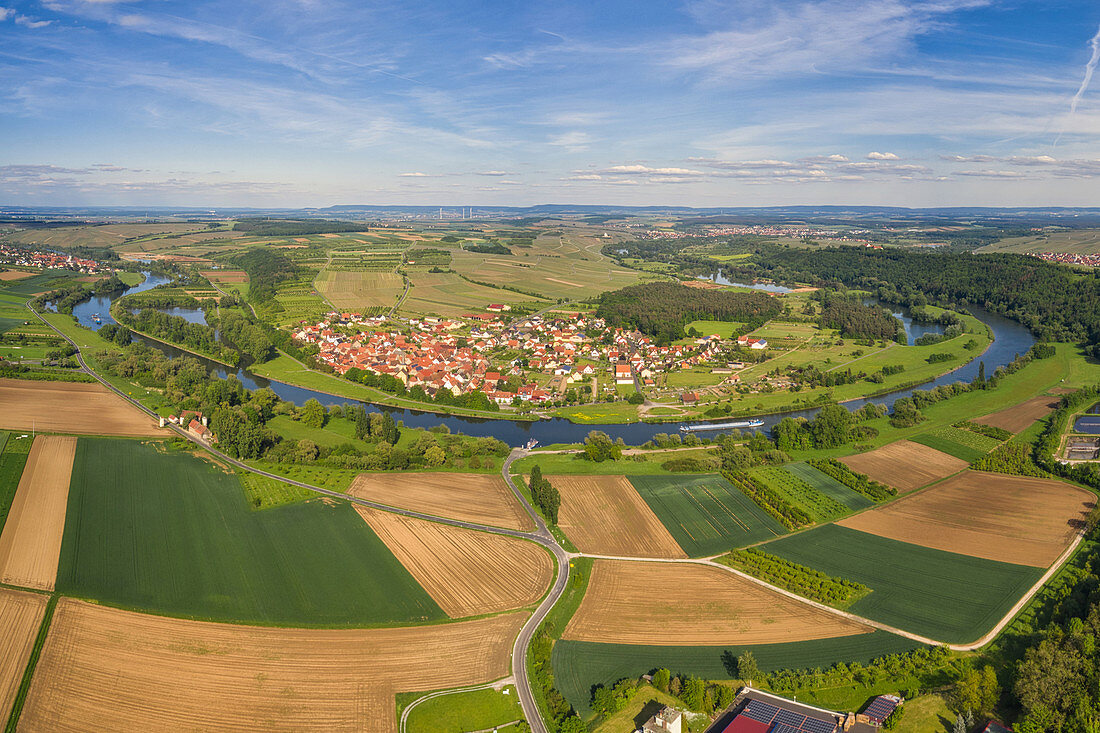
(962, 444)
(578, 665)
(466, 711)
(801, 494)
(170, 533)
(335, 432)
(705, 514)
(724, 329)
(264, 493)
(829, 486)
(944, 596)
(926, 714)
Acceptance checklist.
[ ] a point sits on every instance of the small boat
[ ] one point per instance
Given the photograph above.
(722, 426)
(96, 318)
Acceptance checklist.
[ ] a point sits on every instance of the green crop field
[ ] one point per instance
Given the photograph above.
(463, 711)
(13, 457)
(170, 533)
(358, 289)
(723, 329)
(578, 665)
(705, 514)
(829, 486)
(263, 492)
(821, 507)
(959, 443)
(944, 596)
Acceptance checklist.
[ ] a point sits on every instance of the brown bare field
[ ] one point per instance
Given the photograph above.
(905, 465)
(7, 275)
(604, 515)
(226, 276)
(467, 573)
(22, 614)
(469, 497)
(1014, 419)
(107, 669)
(670, 604)
(70, 407)
(30, 545)
(1017, 519)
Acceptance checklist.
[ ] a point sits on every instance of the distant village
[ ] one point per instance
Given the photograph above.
(761, 230)
(21, 257)
(1070, 258)
(537, 356)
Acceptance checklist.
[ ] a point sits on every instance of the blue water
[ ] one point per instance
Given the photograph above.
(913, 329)
(1089, 422)
(1010, 339)
(85, 310)
(721, 279)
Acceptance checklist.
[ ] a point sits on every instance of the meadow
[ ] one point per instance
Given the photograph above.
(704, 513)
(170, 533)
(942, 595)
(579, 665)
(964, 444)
(829, 486)
(465, 711)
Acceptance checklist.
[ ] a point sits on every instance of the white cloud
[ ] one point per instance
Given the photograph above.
(617, 170)
(993, 174)
(28, 22)
(882, 156)
(574, 141)
(6, 13)
(416, 174)
(493, 173)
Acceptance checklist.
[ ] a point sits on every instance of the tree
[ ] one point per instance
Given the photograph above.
(747, 668)
(694, 694)
(435, 456)
(572, 724)
(831, 426)
(313, 413)
(660, 679)
(723, 697)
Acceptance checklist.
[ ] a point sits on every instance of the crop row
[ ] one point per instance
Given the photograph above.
(769, 500)
(855, 481)
(801, 494)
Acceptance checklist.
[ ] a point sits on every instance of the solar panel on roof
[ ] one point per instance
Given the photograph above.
(788, 718)
(880, 709)
(784, 728)
(760, 711)
(813, 725)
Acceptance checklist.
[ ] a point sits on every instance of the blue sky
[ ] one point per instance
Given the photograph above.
(739, 103)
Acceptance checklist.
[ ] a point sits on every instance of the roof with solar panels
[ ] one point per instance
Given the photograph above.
(762, 712)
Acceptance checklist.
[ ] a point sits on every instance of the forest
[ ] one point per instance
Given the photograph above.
(661, 310)
(1056, 303)
(266, 268)
(854, 319)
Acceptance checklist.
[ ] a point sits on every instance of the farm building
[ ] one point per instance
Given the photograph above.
(752, 343)
(668, 720)
(756, 711)
(689, 398)
(994, 727)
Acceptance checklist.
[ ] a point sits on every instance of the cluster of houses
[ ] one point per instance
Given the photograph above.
(1070, 258)
(195, 423)
(481, 352)
(18, 256)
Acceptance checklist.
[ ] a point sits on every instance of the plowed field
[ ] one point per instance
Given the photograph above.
(30, 545)
(670, 604)
(108, 669)
(469, 497)
(604, 515)
(467, 573)
(1015, 419)
(905, 465)
(70, 407)
(21, 613)
(1016, 519)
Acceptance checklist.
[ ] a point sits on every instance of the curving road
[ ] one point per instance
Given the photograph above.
(542, 536)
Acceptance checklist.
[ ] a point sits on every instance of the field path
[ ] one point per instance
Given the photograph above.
(30, 546)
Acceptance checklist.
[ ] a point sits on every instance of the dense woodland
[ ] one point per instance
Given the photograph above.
(1056, 303)
(285, 228)
(266, 268)
(661, 310)
(854, 319)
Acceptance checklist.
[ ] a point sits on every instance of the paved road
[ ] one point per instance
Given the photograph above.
(542, 536)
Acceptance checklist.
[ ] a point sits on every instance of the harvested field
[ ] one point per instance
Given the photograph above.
(905, 465)
(7, 275)
(108, 669)
(469, 497)
(468, 573)
(70, 407)
(627, 600)
(226, 276)
(30, 545)
(1016, 519)
(360, 289)
(604, 515)
(22, 613)
(1015, 419)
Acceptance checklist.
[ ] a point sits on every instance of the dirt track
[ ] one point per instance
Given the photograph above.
(107, 669)
(1014, 419)
(470, 497)
(905, 465)
(671, 604)
(604, 515)
(21, 613)
(467, 573)
(1016, 519)
(70, 407)
(30, 545)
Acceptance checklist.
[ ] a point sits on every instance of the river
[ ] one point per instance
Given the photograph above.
(1010, 339)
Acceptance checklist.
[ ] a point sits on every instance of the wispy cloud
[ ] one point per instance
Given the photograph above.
(883, 156)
